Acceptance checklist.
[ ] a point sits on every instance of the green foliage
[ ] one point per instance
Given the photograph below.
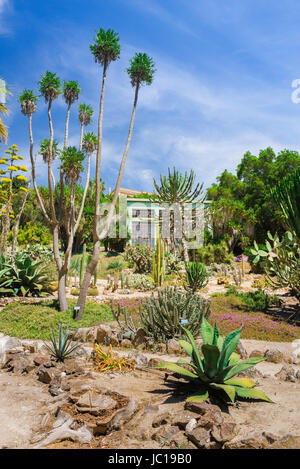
(45, 149)
(72, 164)
(214, 254)
(223, 270)
(158, 263)
(196, 276)
(71, 91)
(23, 277)
(33, 233)
(89, 142)
(115, 265)
(139, 282)
(161, 317)
(33, 321)
(287, 196)
(173, 263)
(177, 188)
(64, 347)
(141, 70)
(28, 102)
(215, 370)
(85, 114)
(49, 86)
(106, 47)
(257, 300)
(139, 256)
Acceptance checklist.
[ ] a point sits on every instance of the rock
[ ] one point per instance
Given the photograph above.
(114, 341)
(167, 434)
(253, 442)
(63, 429)
(80, 334)
(95, 404)
(91, 334)
(274, 356)
(162, 348)
(224, 432)
(42, 361)
(256, 353)
(124, 415)
(30, 345)
(8, 343)
(173, 347)
(298, 375)
(182, 419)
(102, 334)
(141, 360)
(296, 352)
(252, 373)
(200, 437)
(241, 350)
(201, 407)
(161, 419)
(140, 337)
(72, 367)
(45, 375)
(190, 426)
(211, 419)
(126, 343)
(154, 362)
(286, 442)
(287, 373)
(18, 363)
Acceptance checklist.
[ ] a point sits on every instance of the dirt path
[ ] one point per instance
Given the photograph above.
(21, 407)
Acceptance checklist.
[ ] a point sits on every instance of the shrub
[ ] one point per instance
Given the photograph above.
(195, 276)
(117, 265)
(215, 372)
(140, 257)
(139, 282)
(162, 316)
(214, 253)
(32, 233)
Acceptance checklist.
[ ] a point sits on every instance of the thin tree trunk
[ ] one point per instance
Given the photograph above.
(16, 226)
(81, 136)
(99, 237)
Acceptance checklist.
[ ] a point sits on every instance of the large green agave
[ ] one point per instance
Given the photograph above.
(217, 368)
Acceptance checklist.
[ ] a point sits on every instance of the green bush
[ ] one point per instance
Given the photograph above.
(115, 265)
(257, 300)
(140, 257)
(214, 253)
(33, 233)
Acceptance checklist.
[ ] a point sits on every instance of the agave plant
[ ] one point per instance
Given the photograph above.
(196, 276)
(216, 369)
(64, 347)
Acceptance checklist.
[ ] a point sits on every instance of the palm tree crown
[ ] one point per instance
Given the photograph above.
(90, 142)
(85, 114)
(45, 149)
(49, 86)
(71, 164)
(106, 48)
(71, 91)
(141, 69)
(28, 102)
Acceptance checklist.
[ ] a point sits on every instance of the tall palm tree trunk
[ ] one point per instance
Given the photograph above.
(99, 237)
(81, 136)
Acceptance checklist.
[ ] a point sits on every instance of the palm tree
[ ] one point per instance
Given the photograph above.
(85, 118)
(141, 71)
(176, 190)
(71, 91)
(45, 149)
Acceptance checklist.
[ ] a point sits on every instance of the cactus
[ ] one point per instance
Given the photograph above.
(237, 277)
(83, 263)
(158, 262)
(196, 276)
(161, 317)
(122, 278)
(128, 325)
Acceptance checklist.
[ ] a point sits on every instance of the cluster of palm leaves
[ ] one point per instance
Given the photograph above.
(214, 369)
(23, 276)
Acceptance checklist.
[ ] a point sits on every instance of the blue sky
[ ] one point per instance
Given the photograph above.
(222, 87)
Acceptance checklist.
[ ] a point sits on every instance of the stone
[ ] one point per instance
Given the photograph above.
(224, 432)
(91, 335)
(126, 343)
(173, 347)
(241, 350)
(211, 419)
(253, 442)
(81, 334)
(256, 353)
(183, 418)
(102, 334)
(161, 419)
(287, 373)
(72, 367)
(141, 360)
(30, 345)
(166, 434)
(274, 356)
(8, 343)
(162, 348)
(154, 362)
(201, 408)
(114, 341)
(200, 437)
(95, 404)
(42, 361)
(45, 375)
(286, 442)
(19, 364)
(140, 337)
(296, 352)
(190, 426)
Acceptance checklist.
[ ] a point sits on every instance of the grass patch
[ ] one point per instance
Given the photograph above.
(34, 321)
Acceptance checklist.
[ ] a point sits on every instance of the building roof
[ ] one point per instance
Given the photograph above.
(132, 192)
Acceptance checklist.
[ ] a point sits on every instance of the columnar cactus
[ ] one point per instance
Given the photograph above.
(158, 263)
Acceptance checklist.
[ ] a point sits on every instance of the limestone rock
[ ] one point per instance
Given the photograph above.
(200, 437)
(102, 334)
(141, 360)
(241, 350)
(287, 373)
(95, 404)
(173, 347)
(140, 337)
(274, 356)
(8, 343)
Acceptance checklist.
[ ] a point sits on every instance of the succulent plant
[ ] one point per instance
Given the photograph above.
(216, 369)
(64, 347)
